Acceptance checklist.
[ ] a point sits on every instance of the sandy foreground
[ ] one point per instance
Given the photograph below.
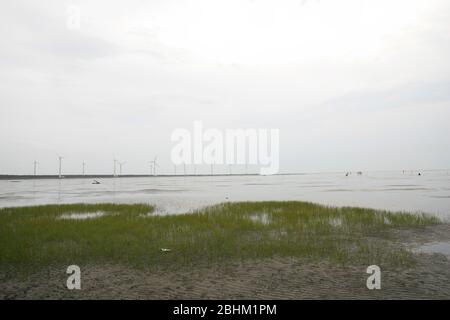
(275, 278)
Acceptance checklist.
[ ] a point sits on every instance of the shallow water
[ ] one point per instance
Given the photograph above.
(381, 190)
(436, 247)
(262, 218)
(82, 215)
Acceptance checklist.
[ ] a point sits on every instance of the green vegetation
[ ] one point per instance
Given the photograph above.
(35, 237)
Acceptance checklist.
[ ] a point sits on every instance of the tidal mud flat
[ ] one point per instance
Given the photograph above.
(248, 250)
(278, 278)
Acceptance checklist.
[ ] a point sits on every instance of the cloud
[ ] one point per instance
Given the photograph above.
(330, 76)
(406, 95)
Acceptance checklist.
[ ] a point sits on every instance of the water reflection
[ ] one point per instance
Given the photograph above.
(429, 192)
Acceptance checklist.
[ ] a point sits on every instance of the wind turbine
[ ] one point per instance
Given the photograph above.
(120, 167)
(60, 161)
(153, 165)
(114, 172)
(184, 168)
(84, 167)
(35, 163)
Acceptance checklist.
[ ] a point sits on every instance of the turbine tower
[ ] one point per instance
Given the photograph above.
(84, 167)
(184, 168)
(115, 163)
(153, 165)
(35, 163)
(120, 167)
(60, 162)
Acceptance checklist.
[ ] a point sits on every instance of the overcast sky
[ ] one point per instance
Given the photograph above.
(351, 84)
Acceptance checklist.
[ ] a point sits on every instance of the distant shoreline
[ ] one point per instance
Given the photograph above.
(105, 176)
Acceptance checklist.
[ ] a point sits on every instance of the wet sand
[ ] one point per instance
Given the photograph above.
(263, 279)
(275, 278)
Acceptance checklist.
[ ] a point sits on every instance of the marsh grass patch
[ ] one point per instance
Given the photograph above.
(37, 237)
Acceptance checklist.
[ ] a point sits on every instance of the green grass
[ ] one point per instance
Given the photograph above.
(32, 238)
